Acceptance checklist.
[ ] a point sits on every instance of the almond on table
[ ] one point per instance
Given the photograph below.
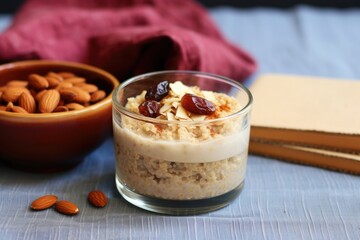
(43, 202)
(66, 207)
(97, 198)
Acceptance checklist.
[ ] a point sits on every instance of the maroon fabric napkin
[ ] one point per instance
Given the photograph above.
(124, 37)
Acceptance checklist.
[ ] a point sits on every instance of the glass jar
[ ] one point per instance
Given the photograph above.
(181, 167)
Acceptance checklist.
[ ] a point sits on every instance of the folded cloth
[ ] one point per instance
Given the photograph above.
(125, 37)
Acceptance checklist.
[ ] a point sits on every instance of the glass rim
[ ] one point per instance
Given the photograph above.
(139, 117)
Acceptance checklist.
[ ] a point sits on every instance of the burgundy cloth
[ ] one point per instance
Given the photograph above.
(124, 37)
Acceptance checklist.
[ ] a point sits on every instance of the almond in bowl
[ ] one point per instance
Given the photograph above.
(181, 141)
(49, 120)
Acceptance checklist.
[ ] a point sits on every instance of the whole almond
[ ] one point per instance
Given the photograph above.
(74, 106)
(75, 80)
(43, 202)
(64, 85)
(49, 101)
(9, 106)
(67, 94)
(38, 82)
(18, 109)
(82, 95)
(97, 96)
(12, 94)
(17, 83)
(61, 109)
(27, 102)
(55, 75)
(53, 81)
(74, 94)
(97, 198)
(66, 74)
(40, 94)
(66, 207)
(88, 87)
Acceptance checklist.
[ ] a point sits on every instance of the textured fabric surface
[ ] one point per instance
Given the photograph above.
(280, 200)
(125, 38)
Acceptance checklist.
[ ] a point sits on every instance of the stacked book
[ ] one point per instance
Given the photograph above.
(307, 120)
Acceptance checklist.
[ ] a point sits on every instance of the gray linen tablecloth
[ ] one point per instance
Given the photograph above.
(280, 200)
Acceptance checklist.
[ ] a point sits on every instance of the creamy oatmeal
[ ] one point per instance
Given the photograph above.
(185, 155)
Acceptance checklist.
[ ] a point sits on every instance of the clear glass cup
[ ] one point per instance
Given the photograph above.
(181, 167)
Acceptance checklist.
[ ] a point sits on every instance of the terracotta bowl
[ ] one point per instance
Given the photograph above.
(48, 142)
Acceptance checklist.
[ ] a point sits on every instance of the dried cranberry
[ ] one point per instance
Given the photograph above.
(197, 105)
(150, 108)
(158, 91)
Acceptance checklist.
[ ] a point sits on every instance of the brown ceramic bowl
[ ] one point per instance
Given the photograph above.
(48, 142)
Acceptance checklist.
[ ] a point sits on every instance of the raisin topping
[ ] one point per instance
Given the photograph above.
(197, 105)
(150, 108)
(158, 91)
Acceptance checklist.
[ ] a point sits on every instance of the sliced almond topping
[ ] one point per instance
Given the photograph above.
(175, 104)
(209, 96)
(181, 113)
(179, 89)
(170, 116)
(196, 117)
(170, 100)
(165, 108)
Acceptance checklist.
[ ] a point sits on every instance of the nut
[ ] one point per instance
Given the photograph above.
(81, 96)
(74, 106)
(43, 202)
(68, 94)
(49, 101)
(55, 75)
(97, 198)
(66, 207)
(40, 94)
(18, 109)
(61, 109)
(38, 82)
(17, 83)
(53, 81)
(75, 80)
(88, 87)
(64, 85)
(27, 102)
(66, 74)
(60, 89)
(97, 96)
(9, 106)
(11, 94)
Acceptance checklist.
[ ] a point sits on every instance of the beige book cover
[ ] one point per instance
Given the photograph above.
(311, 111)
(344, 162)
